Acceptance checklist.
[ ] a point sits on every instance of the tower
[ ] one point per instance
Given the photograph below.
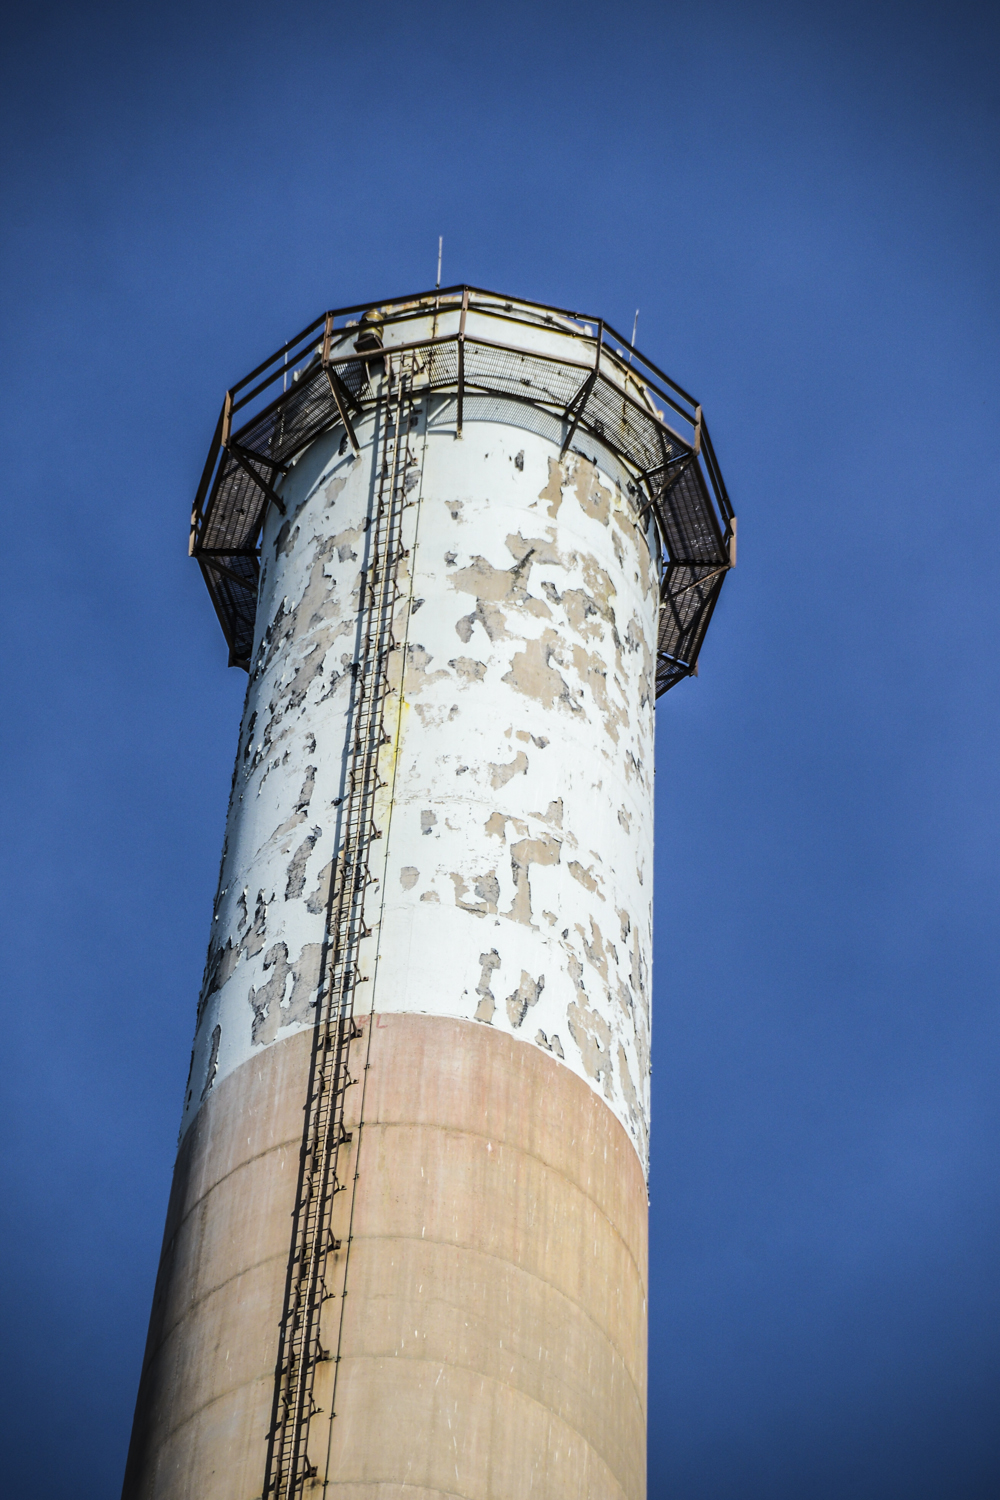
(460, 544)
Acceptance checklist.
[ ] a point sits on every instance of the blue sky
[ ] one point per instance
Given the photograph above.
(802, 201)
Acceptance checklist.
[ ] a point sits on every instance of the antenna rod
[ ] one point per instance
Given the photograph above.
(635, 324)
(440, 244)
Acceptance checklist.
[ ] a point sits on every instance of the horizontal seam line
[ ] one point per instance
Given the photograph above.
(489, 1255)
(505, 1384)
(530, 1156)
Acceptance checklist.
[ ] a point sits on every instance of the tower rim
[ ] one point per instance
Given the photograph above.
(465, 342)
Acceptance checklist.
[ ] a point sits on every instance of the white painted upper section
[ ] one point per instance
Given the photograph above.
(514, 876)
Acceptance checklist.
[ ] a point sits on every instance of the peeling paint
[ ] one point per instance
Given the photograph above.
(467, 668)
(595, 500)
(525, 853)
(213, 1059)
(500, 775)
(538, 568)
(296, 882)
(532, 673)
(592, 1035)
(527, 994)
(552, 493)
(487, 888)
(417, 677)
(586, 877)
(487, 1004)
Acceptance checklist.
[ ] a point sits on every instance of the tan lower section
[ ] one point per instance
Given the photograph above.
(494, 1328)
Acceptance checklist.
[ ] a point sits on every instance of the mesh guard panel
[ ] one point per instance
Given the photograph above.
(602, 398)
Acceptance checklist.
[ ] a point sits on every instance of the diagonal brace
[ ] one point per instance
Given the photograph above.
(341, 395)
(258, 479)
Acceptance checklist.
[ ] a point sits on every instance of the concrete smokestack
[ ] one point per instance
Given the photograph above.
(406, 1248)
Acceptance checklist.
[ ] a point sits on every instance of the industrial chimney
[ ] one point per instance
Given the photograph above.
(460, 544)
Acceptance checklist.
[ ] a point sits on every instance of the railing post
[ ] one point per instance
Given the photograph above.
(461, 362)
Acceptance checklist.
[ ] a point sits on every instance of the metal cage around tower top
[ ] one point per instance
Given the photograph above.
(590, 385)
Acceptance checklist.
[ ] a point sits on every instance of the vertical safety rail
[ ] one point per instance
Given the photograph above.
(316, 1258)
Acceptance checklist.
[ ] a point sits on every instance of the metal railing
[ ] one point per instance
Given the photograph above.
(579, 370)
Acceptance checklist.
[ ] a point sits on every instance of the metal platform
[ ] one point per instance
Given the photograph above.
(471, 343)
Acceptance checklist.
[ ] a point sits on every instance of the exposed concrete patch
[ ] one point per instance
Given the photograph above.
(254, 941)
(594, 949)
(468, 669)
(624, 995)
(552, 493)
(486, 887)
(553, 814)
(489, 616)
(496, 826)
(296, 882)
(213, 1060)
(265, 1000)
(500, 775)
(285, 540)
(487, 1004)
(586, 615)
(408, 877)
(595, 500)
(433, 715)
(221, 966)
(599, 584)
(593, 671)
(631, 1097)
(540, 550)
(554, 1046)
(532, 673)
(491, 585)
(592, 1035)
(305, 983)
(586, 877)
(417, 677)
(636, 641)
(524, 997)
(271, 1010)
(320, 898)
(332, 490)
(525, 853)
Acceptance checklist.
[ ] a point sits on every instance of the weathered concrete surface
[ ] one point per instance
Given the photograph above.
(494, 1339)
(493, 1336)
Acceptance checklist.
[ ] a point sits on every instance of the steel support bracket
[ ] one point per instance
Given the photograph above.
(237, 455)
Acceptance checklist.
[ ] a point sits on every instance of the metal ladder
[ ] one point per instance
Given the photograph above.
(316, 1257)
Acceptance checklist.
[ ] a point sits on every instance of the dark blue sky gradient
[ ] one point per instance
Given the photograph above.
(802, 200)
